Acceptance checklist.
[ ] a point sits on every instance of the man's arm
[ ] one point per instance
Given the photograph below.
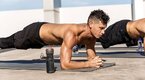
(90, 49)
(66, 53)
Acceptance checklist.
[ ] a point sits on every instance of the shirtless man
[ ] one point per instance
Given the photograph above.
(124, 31)
(39, 34)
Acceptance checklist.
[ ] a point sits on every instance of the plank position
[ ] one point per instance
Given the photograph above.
(39, 34)
(124, 31)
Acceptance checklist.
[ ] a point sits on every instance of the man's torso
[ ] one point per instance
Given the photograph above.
(53, 34)
(136, 28)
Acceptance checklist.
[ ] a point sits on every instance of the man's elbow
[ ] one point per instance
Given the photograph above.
(65, 65)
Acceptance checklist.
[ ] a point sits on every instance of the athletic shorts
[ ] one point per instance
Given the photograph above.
(29, 37)
(116, 34)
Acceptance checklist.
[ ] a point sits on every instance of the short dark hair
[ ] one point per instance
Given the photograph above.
(100, 15)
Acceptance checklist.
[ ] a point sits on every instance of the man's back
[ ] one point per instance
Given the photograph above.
(54, 33)
(136, 29)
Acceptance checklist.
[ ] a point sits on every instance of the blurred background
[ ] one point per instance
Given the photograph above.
(16, 14)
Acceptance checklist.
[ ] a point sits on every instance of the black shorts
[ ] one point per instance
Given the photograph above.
(115, 34)
(29, 37)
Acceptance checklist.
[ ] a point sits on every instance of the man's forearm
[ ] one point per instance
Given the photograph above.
(74, 65)
(91, 54)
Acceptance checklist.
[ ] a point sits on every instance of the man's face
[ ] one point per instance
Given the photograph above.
(98, 29)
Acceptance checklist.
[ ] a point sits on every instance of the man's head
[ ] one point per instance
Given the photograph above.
(97, 21)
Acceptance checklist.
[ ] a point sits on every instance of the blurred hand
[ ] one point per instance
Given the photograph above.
(95, 62)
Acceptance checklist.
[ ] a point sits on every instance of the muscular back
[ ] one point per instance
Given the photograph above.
(54, 33)
(136, 28)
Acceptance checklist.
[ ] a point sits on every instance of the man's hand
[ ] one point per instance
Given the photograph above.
(95, 62)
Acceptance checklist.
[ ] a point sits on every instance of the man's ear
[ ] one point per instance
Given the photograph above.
(91, 24)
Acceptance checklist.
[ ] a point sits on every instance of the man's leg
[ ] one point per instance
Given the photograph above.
(7, 42)
(132, 42)
(29, 37)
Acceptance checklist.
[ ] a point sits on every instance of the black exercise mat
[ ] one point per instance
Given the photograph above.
(117, 48)
(117, 54)
(105, 65)
(41, 65)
